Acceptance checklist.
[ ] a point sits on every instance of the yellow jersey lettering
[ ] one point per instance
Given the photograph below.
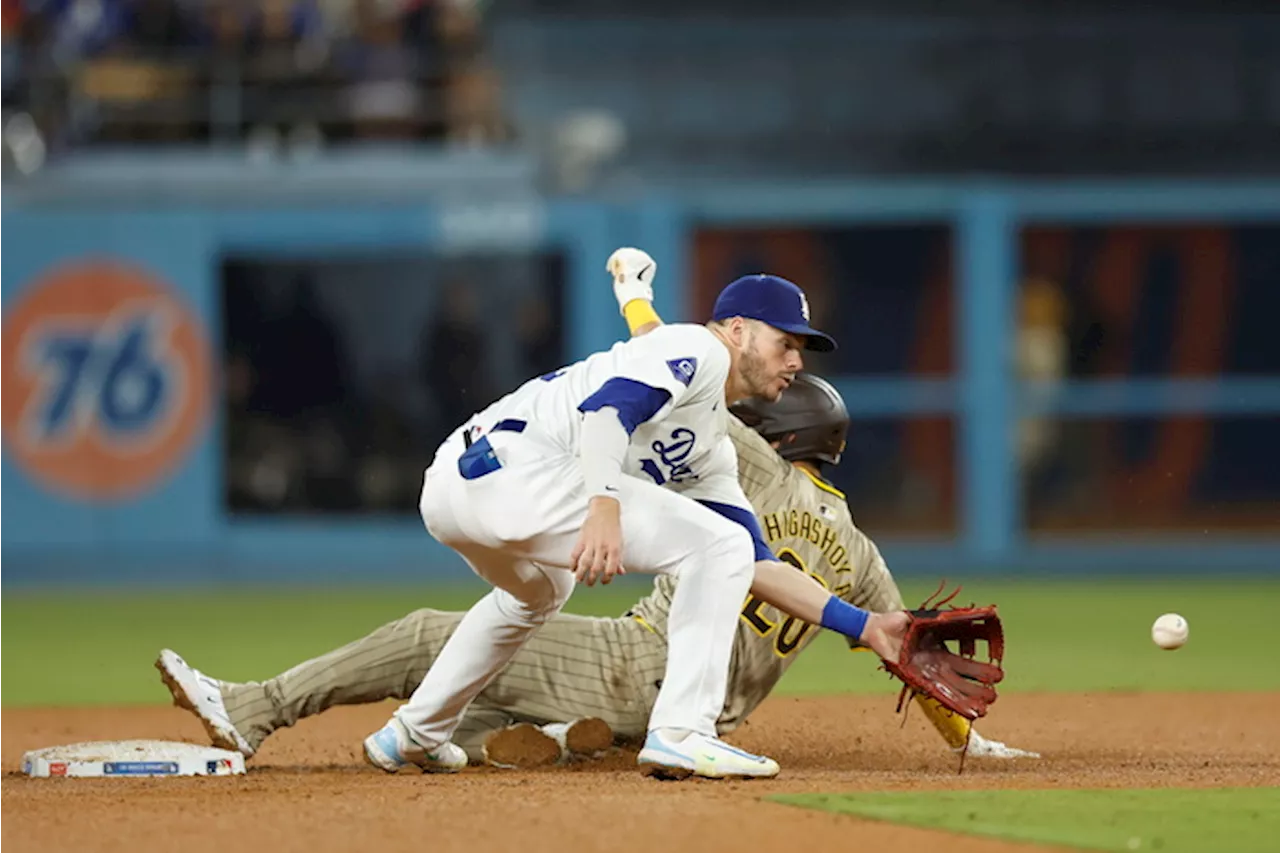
(791, 636)
(828, 540)
(772, 527)
(837, 556)
(753, 617)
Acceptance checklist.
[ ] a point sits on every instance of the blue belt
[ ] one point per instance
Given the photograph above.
(479, 458)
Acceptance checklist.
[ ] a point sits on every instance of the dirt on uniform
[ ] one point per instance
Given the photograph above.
(309, 789)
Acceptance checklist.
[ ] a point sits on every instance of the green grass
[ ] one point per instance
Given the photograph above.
(95, 648)
(1171, 820)
(1090, 635)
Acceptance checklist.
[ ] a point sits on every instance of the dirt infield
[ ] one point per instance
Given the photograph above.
(309, 790)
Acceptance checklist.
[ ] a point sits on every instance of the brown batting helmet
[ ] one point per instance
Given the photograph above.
(809, 421)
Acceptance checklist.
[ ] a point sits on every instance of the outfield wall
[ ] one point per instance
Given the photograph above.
(113, 431)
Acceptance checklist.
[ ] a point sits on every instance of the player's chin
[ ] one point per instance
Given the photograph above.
(772, 392)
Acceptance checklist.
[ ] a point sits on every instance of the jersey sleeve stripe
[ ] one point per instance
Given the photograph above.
(747, 520)
(635, 402)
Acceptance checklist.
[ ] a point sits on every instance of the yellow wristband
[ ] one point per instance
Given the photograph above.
(639, 312)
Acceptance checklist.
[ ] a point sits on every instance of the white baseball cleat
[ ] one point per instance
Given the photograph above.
(700, 755)
(524, 745)
(520, 747)
(980, 747)
(587, 737)
(392, 748)
(196, 692)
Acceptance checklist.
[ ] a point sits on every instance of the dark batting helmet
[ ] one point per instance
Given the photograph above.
(810, 420)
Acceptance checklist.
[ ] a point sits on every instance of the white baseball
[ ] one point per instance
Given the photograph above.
(1170, 631)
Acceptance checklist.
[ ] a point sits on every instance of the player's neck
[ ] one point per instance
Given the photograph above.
(734, 388)
(808, 467)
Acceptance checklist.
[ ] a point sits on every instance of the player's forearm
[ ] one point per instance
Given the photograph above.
(792, 592)
(801, 596)
(601, 452)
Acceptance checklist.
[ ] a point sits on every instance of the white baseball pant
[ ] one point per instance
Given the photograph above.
(516, 527)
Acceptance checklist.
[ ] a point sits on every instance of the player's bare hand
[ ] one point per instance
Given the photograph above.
(598, 554)
(885, 632)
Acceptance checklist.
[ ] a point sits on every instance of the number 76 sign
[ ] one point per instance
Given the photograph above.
(106, 380)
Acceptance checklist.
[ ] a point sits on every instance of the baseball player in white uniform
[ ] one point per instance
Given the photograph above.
(618, 463)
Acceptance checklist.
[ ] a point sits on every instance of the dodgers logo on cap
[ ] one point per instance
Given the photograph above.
(106, 380)
(773, 300)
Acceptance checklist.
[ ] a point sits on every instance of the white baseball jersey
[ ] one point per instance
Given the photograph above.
(506, 491)
(668, 390)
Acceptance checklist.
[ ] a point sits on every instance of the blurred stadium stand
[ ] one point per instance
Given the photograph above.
(706, 89)
(98, 72)
(1016, 93)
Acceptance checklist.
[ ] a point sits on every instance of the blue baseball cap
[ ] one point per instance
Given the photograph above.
(775, 301)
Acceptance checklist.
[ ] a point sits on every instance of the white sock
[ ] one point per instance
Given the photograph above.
(558, 732)
(673, 735)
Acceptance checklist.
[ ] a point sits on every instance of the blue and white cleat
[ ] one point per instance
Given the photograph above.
(700, 755)
(392, 749)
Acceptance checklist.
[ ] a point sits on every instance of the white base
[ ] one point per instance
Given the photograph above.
(132, 758)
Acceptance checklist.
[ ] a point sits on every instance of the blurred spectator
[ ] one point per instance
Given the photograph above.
(287, 27)
(11, 15)
(384, 95)
(390, 473)
(135, 73)
(75, 29)
(301, 358)
(327, 410)
(1081, 479)
(1041, 359)
(269, 71)
(158, 26)
(263, 464)
(1089, 339)
(225, 50)
(286, 49)
(471, 88)
(12, 26)
(289, 401)
(473, 113)
(539, 341)
(454, 357)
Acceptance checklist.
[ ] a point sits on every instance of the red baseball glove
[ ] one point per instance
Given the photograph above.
(956, 679)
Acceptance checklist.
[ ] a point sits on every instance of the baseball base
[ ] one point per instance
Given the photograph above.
(132, 758)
